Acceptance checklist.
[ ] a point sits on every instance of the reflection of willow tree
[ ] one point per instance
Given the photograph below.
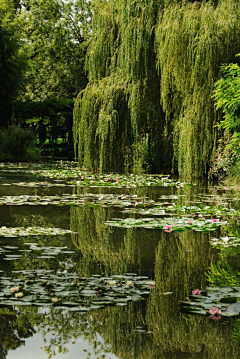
(41, 216)
(117, 249)
(226, 271)
(116, 325)
(118, 329)
(180, 267)
(30, 261)
(14, 327)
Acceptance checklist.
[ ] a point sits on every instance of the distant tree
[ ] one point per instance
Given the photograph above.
(56, 32)
(12, 58)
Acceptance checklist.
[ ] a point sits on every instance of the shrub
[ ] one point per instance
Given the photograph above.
(18, 144)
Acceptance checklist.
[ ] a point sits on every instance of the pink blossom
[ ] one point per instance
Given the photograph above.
(196, 292)
(105, 179)
(39, 170)
(226, 188)
(202, 218)
(215, 311)
(77, 168)
(190, 222)
(168, 228)
(214, 220)
(82, 177)
(117, 179)
(14, 289)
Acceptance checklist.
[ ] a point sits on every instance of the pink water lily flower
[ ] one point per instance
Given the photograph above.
(196, 292)
(190, 222)
(215, 220)
(215, 311)
(168, 228)
(14, 289)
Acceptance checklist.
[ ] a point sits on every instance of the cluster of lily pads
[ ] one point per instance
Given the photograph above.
(76, 176)
(12, 253)
(170, 208)
(69, 291)
(216, 302)
(78, 200)
(31, 231)
(168, 224)
(225, 241)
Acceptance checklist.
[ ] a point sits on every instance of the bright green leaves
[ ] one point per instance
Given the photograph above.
(227, 97)
(12, 58)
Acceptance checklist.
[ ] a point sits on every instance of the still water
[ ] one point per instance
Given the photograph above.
(150, 328)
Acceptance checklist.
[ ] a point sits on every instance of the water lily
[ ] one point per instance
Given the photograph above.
(14, 289)
(215, 311)
(190, 222)
(168, 228)
(214, 220)
(196, 292)
(19, 295)
(105, 179)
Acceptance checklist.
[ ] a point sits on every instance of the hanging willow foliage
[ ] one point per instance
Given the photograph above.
(117, 116)
(152, 65)
(192, 40)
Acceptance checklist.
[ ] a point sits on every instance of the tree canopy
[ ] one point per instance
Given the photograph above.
(152, 74)
(12, 57)
(56, 32)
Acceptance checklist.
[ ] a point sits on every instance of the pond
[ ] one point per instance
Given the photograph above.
(104, 266)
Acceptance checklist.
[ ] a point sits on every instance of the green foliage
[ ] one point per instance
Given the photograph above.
(118, 115)
(12, 58)
(56, 32)
(192, 41)
(227, 97)
(226, 272)
(51, 109)
(166, 64)
(18, 144)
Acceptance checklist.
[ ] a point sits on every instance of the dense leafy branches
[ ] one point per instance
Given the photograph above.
(56, 32)
(227, 97)
(192, 40)
(121, 103)
(166, 63)
(12, 58)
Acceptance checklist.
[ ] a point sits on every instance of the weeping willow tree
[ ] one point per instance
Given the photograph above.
(152, 65)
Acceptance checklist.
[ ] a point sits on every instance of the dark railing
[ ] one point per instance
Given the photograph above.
(55, 138)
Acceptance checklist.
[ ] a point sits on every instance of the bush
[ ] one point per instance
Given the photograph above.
(18, 144)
